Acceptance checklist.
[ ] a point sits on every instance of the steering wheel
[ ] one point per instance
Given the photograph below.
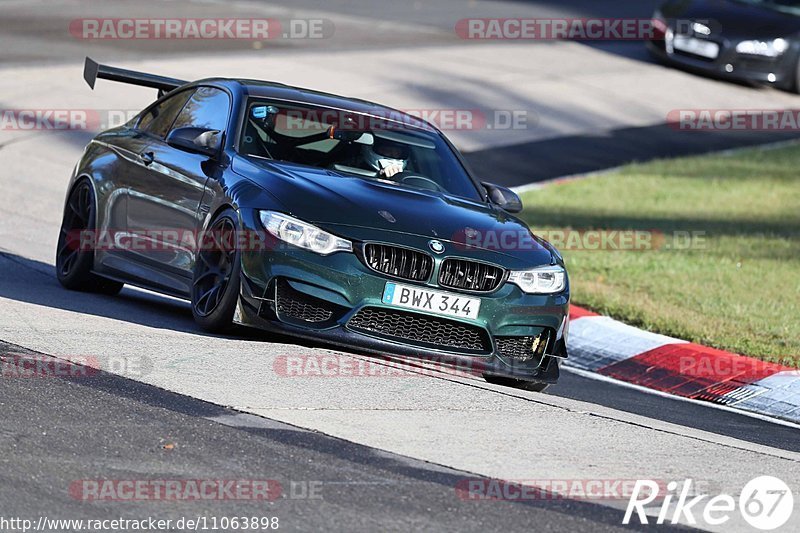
(420, 182)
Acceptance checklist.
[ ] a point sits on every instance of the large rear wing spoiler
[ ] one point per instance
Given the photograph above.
(93, 70)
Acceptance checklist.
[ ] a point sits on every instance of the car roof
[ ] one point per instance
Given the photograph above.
(281, 91)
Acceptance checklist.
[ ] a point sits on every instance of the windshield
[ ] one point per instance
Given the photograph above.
(785, 6)
(404, 153)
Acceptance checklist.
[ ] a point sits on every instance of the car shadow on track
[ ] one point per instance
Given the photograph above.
(34, 282)
(31, 281)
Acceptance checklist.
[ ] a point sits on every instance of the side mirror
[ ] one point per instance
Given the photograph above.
(503, 197)
(196, 140)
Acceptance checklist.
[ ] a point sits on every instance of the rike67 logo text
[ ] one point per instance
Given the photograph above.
(766, 503)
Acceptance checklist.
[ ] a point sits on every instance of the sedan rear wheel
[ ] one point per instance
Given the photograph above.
(73, 263)
(215, 288)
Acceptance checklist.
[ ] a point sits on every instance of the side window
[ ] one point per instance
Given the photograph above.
(157, 120)
(208, 108)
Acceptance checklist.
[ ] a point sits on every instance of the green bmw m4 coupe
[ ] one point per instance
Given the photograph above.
(318, 216)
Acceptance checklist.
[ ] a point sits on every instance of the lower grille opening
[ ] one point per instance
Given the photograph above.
(300, 306)
(525, 349)
(413, 328)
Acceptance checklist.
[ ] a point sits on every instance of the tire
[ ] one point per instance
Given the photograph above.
(74, 265)
(532, 386)
(215, 287)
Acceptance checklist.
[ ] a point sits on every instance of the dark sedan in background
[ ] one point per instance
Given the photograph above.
(744, 40)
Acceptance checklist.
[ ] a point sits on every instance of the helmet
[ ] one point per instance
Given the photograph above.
(384, 152)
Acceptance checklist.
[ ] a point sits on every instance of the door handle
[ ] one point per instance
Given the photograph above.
(147, 158)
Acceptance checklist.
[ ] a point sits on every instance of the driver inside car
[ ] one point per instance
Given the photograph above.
(387, 157)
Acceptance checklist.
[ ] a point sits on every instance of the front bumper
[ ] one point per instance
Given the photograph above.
(780, 71)
(329, 291)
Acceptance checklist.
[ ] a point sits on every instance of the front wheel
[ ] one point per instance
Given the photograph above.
(215, 287)
(532, 386)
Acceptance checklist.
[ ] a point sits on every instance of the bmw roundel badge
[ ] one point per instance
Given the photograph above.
(436, 246)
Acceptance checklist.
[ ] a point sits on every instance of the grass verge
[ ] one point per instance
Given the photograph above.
(723, 266)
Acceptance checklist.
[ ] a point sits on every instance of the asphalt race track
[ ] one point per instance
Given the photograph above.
(361, 488)
(357, 453)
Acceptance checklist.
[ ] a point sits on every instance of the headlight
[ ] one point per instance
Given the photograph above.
(303, 235)
(763, 48)
(542, 280)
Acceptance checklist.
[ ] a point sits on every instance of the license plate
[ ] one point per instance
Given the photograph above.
(440, 303)
(695, 46)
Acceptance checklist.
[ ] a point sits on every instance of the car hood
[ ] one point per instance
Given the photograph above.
(735, 20)
(363, 209)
